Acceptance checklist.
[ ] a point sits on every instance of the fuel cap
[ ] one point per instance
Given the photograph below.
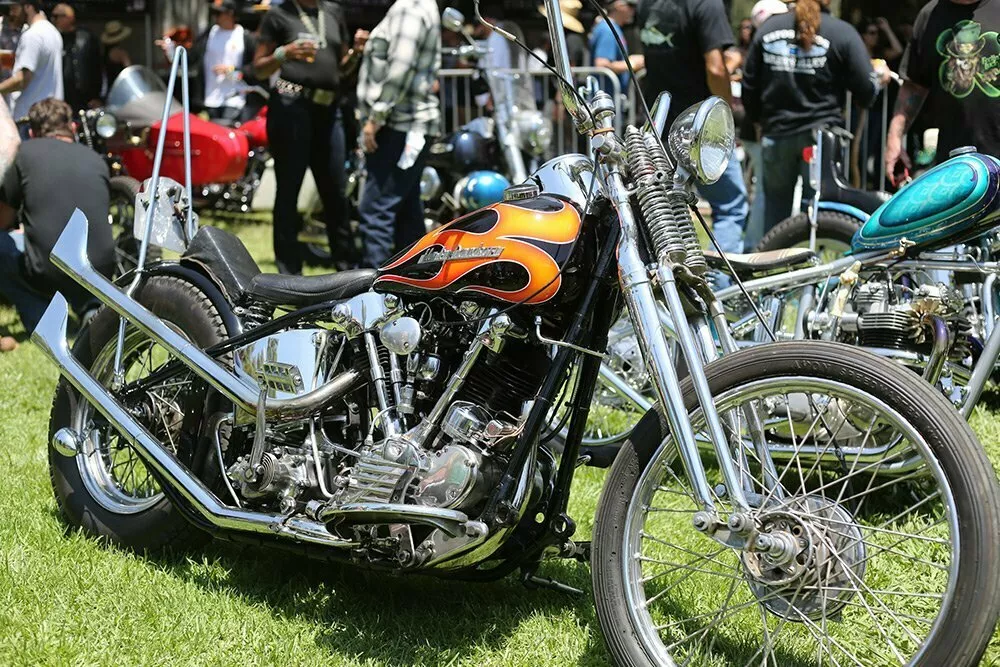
(522, 191)
(962, 150)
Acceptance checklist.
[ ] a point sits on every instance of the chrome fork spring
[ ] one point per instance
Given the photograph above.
(654, 203)
(694, 258)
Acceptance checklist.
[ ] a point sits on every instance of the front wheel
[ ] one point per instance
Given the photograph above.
(888, 503)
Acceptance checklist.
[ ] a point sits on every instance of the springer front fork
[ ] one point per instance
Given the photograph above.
(637, 285)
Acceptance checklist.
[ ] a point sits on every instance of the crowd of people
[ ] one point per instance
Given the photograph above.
(785, 70)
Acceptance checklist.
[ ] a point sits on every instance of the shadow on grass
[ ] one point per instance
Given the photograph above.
(396, 619)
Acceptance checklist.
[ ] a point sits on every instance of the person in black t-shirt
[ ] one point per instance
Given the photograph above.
(798, 70)
(951, 69)
(683, 42)
(51, 176)
(306, 43)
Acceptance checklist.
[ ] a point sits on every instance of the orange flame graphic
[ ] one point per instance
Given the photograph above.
(514, 228)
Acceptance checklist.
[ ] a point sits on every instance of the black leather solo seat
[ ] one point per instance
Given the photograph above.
(224, 256)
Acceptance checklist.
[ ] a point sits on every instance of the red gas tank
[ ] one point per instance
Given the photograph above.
(511, 252)
(218, 154)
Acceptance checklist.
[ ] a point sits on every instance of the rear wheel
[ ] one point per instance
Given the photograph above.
(834, 232)
(888, 502)
(106, 489)
(121, 215)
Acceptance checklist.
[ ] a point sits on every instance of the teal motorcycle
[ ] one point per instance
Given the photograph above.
(917, 285)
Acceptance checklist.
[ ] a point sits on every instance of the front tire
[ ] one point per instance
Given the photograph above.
(970, 604)
(107, 491)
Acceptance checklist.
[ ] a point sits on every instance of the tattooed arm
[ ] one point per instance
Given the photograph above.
(911, 99)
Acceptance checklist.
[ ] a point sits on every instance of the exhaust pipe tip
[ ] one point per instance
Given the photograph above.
(69, 253)
(66, 442)
(50, 332)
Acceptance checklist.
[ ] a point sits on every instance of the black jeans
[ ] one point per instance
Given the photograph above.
(391, 211)
(782, 166)
(306, 135)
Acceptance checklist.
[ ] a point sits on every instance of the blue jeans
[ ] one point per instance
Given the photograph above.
(391, 211)
(14, 286)
(783, 165)
(728, 198)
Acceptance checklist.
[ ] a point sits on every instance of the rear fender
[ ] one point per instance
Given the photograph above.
(855, 213)
(200, 279)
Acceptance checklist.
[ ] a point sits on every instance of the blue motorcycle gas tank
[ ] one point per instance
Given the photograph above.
(951, 203)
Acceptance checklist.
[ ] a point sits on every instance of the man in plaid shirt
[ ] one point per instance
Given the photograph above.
(398, 105)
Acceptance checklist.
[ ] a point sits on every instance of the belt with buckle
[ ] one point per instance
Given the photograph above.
(323, 98)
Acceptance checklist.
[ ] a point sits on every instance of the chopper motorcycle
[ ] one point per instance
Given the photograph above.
(390, 418)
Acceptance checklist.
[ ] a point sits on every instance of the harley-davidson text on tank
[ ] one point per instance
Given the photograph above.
(514, 252)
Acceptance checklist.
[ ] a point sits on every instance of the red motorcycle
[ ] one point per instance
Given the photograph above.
(227, 163)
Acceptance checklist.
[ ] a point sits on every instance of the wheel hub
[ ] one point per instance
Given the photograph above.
(808, 560)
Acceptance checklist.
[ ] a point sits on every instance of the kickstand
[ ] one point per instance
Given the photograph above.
(533, 581)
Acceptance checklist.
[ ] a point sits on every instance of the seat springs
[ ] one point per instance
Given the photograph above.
(652, 195)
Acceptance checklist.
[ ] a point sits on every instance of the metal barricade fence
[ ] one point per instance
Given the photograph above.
(459, 105)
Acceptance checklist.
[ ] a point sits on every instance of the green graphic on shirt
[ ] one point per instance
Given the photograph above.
(971, 60)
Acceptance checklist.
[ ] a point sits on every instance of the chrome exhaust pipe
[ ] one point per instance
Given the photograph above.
(70, 255)
(50, 336)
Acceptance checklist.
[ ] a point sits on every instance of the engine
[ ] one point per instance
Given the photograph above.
(431, 423)
(896, 316)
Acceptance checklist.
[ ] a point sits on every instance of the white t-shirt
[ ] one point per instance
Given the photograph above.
(40, 50)
(225, 47)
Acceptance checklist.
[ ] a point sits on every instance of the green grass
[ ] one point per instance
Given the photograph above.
(65, 599)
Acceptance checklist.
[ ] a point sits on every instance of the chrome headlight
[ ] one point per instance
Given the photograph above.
(534, 131)
(430, 184)
(702, 139)
(106, 125)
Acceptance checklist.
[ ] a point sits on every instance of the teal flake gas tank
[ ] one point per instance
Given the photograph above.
(951, 203)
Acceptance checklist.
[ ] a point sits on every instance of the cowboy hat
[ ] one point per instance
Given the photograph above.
(569, 9)
(966, 39)
(115, 33)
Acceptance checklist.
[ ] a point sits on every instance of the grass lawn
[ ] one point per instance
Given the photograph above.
(65, 599)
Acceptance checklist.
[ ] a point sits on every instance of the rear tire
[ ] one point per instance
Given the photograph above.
(834, 232)
(966, 624)
(84, 496)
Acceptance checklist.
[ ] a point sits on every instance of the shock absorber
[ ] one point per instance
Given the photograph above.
(694, 258)
(653, 198)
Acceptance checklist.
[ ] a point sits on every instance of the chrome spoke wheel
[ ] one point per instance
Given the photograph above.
(855, 550)
(112, 472)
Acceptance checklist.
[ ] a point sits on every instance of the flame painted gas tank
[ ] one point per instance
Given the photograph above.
(953, 202)
(511, 252)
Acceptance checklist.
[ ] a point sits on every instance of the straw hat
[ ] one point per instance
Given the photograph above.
(115, 32)
(569, 9)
